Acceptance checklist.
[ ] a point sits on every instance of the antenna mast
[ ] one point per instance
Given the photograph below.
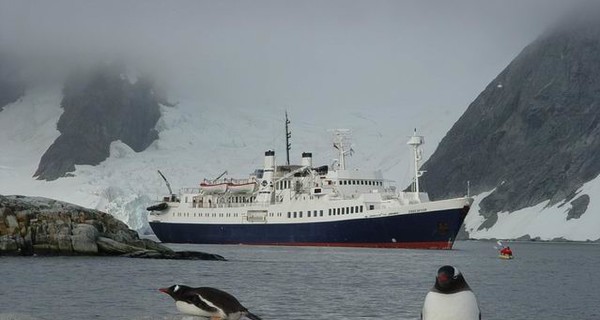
(416, 141)
(288, 135)
(342, 144)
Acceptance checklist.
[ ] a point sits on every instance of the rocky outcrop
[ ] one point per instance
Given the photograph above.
(101, 106)
(533, 134)
(41, 226)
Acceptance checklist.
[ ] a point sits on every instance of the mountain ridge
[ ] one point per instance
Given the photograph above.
(532, 134)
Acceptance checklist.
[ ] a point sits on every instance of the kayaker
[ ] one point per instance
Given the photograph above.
(506, 251)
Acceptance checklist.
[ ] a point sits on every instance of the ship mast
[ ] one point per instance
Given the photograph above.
(288, 135)
(416, 141)
(340, 142)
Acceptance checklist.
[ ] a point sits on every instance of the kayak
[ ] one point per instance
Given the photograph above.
(505, 256)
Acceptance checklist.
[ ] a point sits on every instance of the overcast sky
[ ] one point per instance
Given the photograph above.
(308, 55)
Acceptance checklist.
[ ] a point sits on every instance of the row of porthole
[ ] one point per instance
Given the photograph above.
(331, 212)
(294, 214)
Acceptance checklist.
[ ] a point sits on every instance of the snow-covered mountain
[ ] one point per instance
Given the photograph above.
(380, 71)
(530, 140)
(194, 142)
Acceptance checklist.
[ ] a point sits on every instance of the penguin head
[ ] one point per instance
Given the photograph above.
(175, 290)
(449, 279)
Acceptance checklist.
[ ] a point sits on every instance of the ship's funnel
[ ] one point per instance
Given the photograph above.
(306, 159)
(269, 159)
(265, 191)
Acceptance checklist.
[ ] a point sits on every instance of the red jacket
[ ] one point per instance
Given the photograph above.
(506, 251)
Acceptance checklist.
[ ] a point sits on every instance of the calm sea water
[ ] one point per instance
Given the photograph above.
(545, 281)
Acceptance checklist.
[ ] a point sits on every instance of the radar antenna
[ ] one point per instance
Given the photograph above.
(341, 141)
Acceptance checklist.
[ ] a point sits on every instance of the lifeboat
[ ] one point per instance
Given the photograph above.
(241, 188)
(213, 188)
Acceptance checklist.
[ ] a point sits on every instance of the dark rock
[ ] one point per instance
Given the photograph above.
(40, 226)
(533, 134)
(179, 255)
(100, 106)
(578, 207)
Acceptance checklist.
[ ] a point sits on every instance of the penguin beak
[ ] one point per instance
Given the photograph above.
(164, 290)
(442, 277)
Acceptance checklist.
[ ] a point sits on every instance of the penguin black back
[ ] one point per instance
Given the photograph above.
(210, 300)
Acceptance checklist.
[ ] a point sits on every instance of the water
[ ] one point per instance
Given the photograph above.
(545, 281)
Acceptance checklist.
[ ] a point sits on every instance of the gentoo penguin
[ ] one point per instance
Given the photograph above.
(208, 302)
(450, 298)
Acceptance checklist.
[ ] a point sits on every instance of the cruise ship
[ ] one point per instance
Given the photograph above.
(307, 205)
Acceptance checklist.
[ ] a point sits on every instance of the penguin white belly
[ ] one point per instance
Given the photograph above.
(191, 309)
(456, 306)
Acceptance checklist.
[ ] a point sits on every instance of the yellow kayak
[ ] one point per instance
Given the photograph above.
(505, 256)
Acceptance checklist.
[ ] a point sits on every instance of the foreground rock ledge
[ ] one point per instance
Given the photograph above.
(34, 225)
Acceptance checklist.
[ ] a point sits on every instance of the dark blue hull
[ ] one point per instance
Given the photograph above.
(433, 230)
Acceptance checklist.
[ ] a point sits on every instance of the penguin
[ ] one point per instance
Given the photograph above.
(208, 302)
(450, 298)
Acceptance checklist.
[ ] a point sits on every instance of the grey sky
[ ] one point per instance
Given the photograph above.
(379, 55)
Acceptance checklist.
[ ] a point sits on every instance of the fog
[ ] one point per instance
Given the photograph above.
(307, 56)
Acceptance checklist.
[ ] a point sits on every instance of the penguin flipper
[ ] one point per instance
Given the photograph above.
(198, 302)
(252, 316)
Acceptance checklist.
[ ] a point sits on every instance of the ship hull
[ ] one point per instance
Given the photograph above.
(426, 230)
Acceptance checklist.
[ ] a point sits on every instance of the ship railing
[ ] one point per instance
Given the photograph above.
(233, 205)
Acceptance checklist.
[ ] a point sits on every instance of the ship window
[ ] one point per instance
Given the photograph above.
(315, 213)
(300, 215)
(361, 208)
(309, 214)
(343, 210)
(371, 207)
(294, 214)
(321, 213)
(351, 209)
(338, 211)
(329, 211)
(235, 214)
(289, 215)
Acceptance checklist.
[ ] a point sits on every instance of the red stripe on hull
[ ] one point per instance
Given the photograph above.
(437, 245)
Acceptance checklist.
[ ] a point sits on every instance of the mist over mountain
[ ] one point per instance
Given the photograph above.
(100, 105)
(12, 86)
(532, 136)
